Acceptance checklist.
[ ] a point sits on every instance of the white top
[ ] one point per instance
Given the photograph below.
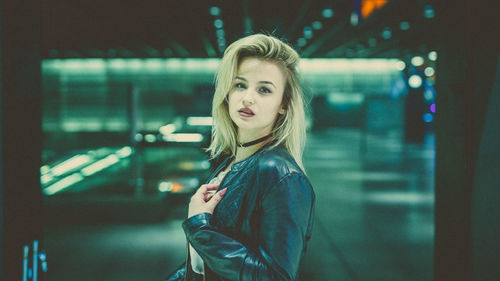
(196, 260)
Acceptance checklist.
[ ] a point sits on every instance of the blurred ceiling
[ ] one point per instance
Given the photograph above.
(166, 28)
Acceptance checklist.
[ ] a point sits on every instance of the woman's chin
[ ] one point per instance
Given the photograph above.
(244, 124)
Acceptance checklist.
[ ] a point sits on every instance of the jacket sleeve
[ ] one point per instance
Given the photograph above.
(285, 217)
(178, 274)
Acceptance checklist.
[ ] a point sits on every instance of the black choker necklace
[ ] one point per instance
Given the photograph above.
(247, 144)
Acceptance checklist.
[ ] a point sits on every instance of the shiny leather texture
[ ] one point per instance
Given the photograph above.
(260, 229)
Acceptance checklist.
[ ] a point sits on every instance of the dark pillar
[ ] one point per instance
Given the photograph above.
(467, 130)
(20, 132)
(486, 194)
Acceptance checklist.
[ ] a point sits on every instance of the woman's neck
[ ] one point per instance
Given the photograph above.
(245, 152)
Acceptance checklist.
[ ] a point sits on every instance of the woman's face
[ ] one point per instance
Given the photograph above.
(255, 97)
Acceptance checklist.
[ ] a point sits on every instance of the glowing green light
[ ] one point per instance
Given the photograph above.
(100, 165)
(124, 152)
(46, 178)
(70, 164)
(84, 64)
(44, 169)
(415, 81)
(400, 65)
(187, 137)
(433, 55)
(118, 63)
(417, 60)
(167, 129)
(134, 64)
(345, 98)
(165, 186)
(173, 64)
(199, 121)
(429, 71)
(327, 13)
(153, 64)
(63, 184)
(323, 66)
(150, 138)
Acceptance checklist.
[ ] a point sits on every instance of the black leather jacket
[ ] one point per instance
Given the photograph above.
(260, 229)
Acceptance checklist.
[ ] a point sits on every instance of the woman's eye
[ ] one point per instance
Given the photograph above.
(264, 90)
(239, 85)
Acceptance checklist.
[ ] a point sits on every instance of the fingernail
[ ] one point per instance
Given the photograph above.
(223, 191)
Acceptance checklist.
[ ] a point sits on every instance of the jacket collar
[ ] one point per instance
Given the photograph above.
(236, 166)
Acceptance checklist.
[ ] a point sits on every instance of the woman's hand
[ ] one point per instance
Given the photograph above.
(204, 200)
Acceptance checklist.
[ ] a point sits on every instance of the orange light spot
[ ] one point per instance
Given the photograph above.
(369, 6)
(176, 187)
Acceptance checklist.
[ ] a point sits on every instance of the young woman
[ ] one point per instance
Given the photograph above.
(256, 226)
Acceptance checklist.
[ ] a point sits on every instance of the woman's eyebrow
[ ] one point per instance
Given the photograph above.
(267, 82)
(260, 82)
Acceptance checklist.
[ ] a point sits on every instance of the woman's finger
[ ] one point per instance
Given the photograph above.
(204, 187)
(212, 187)
(216, 198)
(209, 196)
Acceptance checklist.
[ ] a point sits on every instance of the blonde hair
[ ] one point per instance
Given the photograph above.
(290, 127)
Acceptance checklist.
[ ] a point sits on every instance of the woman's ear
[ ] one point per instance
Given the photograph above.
(282, 111)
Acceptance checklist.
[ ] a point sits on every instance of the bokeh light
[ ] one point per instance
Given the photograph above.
(327, 13)
(415, 81)
(428, 118)
(417, 60)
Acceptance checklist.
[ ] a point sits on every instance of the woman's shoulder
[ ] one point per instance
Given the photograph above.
(278, 169)
(278, 163)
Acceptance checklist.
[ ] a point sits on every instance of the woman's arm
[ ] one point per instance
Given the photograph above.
(284, 230)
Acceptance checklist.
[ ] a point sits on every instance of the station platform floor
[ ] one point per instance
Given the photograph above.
(374, 220)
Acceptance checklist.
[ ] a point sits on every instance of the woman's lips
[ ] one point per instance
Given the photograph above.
(245, 114)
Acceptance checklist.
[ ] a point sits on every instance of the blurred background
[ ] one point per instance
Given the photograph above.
(125, 105)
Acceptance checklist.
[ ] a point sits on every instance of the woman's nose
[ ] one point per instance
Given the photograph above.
(248, 98)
